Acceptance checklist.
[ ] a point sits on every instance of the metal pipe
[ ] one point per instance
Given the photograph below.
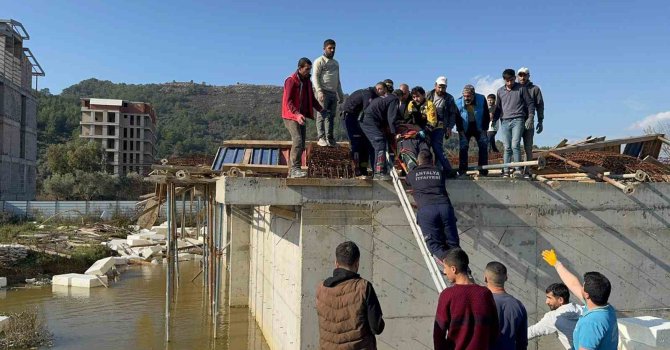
(168, 284)
(540, 162)
(627, 189)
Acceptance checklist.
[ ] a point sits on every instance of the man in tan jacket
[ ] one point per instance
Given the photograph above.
(347, 305)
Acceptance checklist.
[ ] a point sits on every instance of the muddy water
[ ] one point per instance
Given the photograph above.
(130, 314)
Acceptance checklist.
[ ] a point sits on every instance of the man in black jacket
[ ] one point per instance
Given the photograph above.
(436, 214)
(352, 112)
(381, 115)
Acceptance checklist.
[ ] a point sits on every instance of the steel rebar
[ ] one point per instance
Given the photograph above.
(627, 189)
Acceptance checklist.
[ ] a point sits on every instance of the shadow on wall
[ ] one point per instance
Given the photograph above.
(624, 237)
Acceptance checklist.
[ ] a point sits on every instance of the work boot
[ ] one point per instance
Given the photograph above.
(322, 142)
(332, 143)
(297, 173)
(380, 163)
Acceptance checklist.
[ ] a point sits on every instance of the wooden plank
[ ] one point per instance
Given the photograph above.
(605, 144)
(247, 155)
(189, 169)
(256, 144)
(651, 148)
(563, 143)
(258, 168)
(321, 182)
(283, 212)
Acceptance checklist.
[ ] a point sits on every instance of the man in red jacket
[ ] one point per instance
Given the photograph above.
(298, 102)
(466, 317)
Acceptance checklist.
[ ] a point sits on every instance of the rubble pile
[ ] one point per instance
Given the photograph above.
(10, 253)
(614, 163)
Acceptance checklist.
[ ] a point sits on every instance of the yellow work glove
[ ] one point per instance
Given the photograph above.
(550, 257)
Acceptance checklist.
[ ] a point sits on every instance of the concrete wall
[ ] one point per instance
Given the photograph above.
(592, 227)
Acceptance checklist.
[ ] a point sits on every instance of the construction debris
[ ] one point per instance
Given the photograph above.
(10, 253)
(79, 280)
(101, 267)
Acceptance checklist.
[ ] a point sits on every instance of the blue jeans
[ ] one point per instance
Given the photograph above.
(464, 142)
(512, 131)
(438, 225)
(437, 144)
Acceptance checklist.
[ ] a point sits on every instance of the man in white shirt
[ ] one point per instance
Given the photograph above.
(328, 91)
(561, 319)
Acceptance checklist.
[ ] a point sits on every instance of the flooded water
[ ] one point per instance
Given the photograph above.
(131, 314)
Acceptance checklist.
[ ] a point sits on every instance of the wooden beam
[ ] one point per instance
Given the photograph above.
(256, 144)
(258, 168)
(604, 144)
(322, 182)
(284, 212)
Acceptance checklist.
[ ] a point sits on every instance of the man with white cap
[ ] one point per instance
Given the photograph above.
(523, 76)
(447, 112)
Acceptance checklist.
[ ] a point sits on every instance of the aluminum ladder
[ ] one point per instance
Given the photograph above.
(435, 273)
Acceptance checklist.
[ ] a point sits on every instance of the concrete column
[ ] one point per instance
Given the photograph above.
(240, 232)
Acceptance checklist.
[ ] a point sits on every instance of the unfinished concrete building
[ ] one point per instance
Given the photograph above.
(18, 113)
(277, 236)
(126, 130)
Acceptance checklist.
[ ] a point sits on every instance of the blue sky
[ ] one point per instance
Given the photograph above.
(602, 65)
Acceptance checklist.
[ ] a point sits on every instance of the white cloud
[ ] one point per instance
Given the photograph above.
(487, 85)
(650, 120)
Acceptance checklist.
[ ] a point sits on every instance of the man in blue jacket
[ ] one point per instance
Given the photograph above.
(473, 121)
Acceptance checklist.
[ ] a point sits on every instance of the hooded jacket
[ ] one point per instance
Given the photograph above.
(349, 312)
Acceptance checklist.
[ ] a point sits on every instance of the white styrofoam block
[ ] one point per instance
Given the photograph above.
(134, 242)
(3, 282)
(116, 244)
(62, 280)
(649, 330)
(4, 321)
(627, 344)
(101, 267)
(162, 230)
(87, 281)
(78, 280)
(151, 251)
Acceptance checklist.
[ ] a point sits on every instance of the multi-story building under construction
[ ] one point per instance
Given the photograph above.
(18, 113)
(126, 130)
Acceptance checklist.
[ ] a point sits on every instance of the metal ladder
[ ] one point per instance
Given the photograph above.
(435, 273)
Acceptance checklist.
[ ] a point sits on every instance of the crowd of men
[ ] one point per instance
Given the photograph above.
(381, 119)
(469, 316)
(413, 125)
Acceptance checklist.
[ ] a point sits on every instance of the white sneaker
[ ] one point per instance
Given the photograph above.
(322, 142)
